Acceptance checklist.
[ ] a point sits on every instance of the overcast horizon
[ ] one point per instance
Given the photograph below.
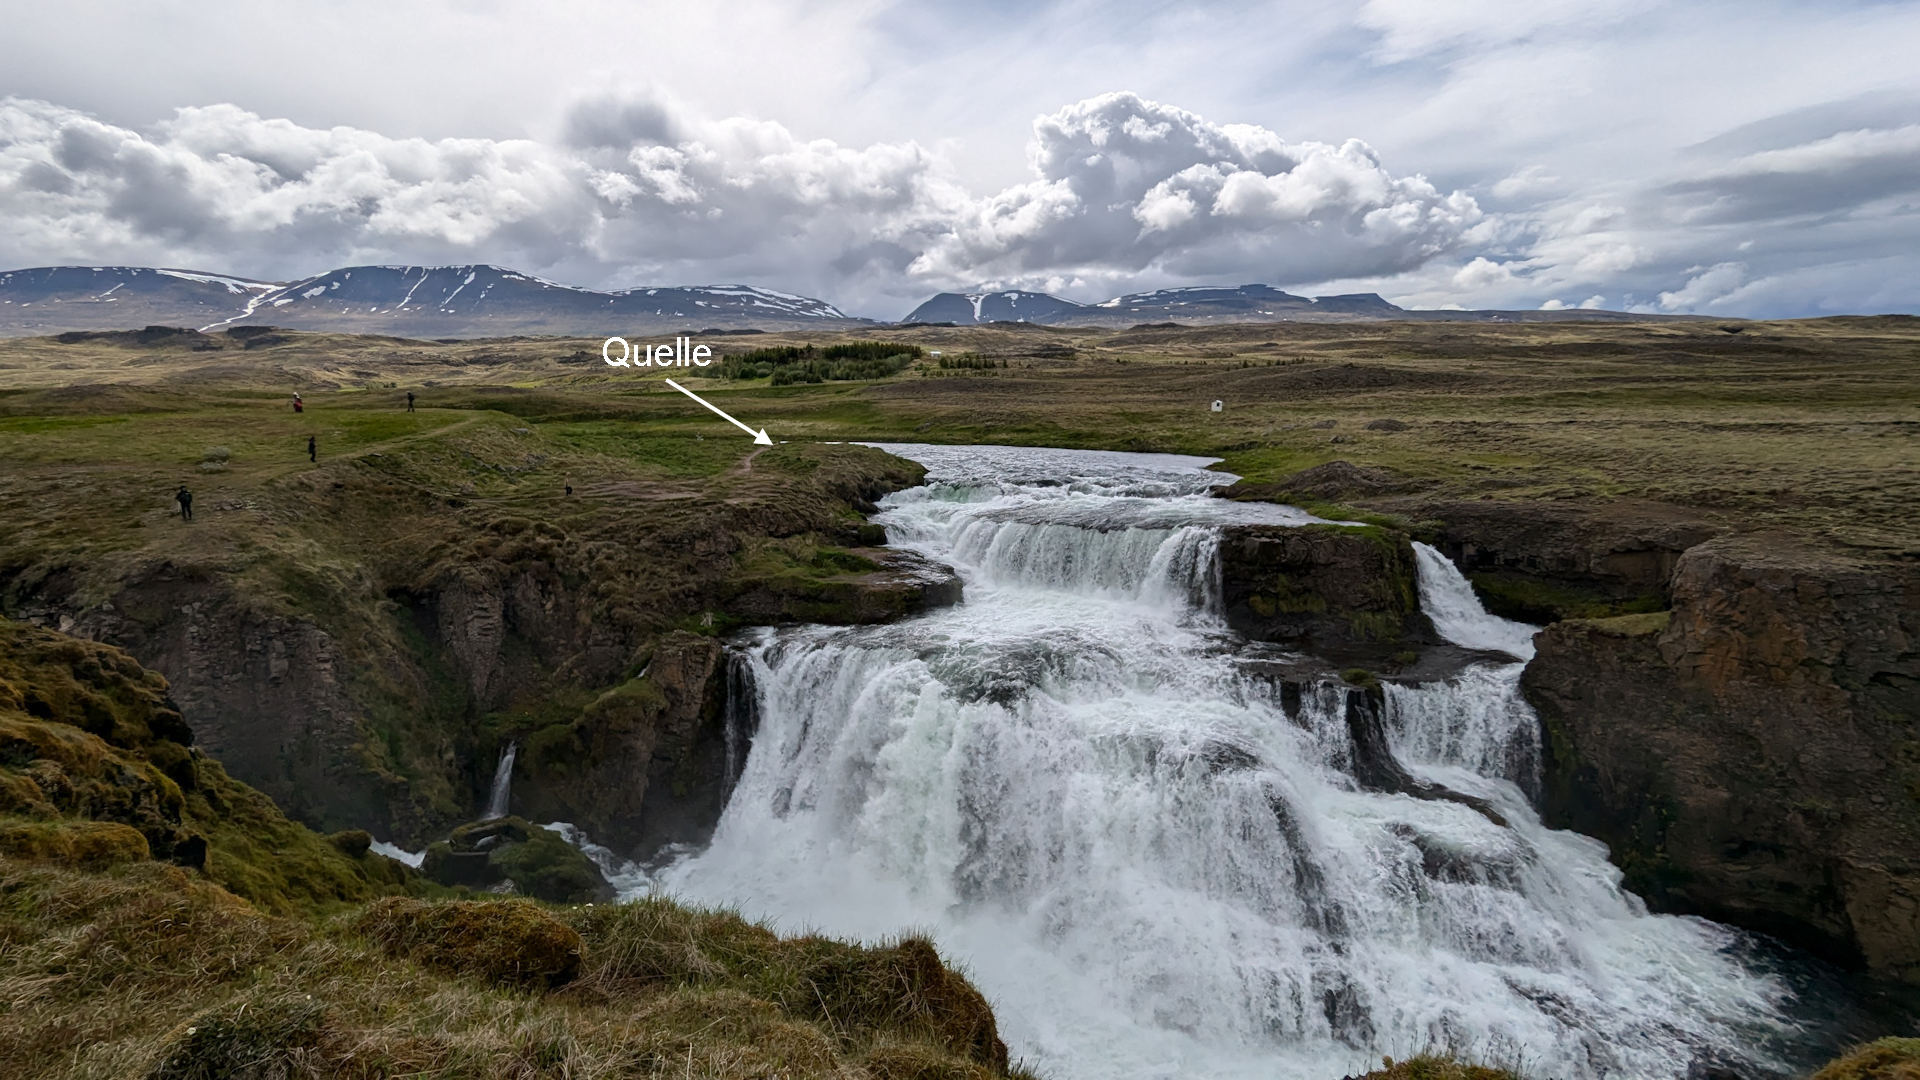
(1757, 159)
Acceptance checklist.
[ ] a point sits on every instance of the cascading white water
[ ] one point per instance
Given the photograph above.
(1447, 598)
(1090, 793)
(502, 783)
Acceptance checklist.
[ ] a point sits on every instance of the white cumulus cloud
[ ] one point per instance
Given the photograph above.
(637, 189)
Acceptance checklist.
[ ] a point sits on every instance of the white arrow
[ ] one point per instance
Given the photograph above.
(758, 436)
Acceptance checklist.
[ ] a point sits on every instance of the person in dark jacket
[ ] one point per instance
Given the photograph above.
(409, 401)
(185, 499)
(312, 454)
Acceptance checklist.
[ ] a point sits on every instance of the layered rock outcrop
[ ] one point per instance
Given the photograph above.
(1343, 591)
(1755, 755)
(1541, 561)
(644, 764)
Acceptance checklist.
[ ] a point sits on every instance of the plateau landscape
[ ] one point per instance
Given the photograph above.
(1169, 597)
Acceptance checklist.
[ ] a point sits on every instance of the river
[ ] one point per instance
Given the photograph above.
(1097, 800)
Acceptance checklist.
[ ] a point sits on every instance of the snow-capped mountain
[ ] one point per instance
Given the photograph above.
(1242, 303)
(1010, 306)
(415, 301)
(48, 299)
(1218, 304)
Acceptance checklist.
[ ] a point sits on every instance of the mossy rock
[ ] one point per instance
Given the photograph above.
(352, 843)
(513, 942)
(1532, 598)
(1347, 589)
(537, 862)
(546, 867)
(89, 739)
(1887, 1059)
(1628, 626)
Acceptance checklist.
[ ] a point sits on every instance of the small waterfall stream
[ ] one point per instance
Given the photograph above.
(1157, 860)
(502, 783)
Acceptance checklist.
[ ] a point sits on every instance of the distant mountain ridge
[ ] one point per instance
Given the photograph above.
(475, 300)
(1212, 304)
(1206, 303)
(481, 300)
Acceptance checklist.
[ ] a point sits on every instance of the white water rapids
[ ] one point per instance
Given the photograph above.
(1078, 782)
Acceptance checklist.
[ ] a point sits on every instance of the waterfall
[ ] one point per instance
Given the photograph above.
(1449, 601)
(502, 783)
(1157, 859)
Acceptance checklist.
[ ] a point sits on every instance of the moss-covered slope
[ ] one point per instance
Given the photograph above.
(97, 767)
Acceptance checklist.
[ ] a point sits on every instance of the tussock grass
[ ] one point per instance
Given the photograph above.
(146, 970)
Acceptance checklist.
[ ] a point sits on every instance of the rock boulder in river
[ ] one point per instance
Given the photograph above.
(1342, 590)
(1755, 756)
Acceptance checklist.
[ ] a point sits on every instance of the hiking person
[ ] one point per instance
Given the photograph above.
(409, 401)
(185, 499)
(296, 403)
(312, 454)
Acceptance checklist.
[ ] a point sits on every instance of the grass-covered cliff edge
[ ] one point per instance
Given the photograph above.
(358, 635)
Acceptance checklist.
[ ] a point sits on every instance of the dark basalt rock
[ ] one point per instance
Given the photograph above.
(1377, 769)
(645, 764)
(1753, 757)
(536, 862)
(1341, 591)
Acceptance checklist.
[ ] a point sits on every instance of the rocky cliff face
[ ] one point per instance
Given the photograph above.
(1344, 591)
(270, 692)
(365, 674)
(644, 764)
(1755, 756)
(1540, 561)
(98, 766)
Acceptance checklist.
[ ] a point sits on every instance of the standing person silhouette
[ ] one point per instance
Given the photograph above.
(312, 454)
(409, 401)
(297, 405)
(185, 499)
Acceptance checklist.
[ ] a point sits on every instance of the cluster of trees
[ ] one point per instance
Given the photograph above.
(788, 364)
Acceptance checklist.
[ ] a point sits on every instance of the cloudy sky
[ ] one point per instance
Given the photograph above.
(1756, 157)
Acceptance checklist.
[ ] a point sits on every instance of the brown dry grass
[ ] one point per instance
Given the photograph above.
(143, 970)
